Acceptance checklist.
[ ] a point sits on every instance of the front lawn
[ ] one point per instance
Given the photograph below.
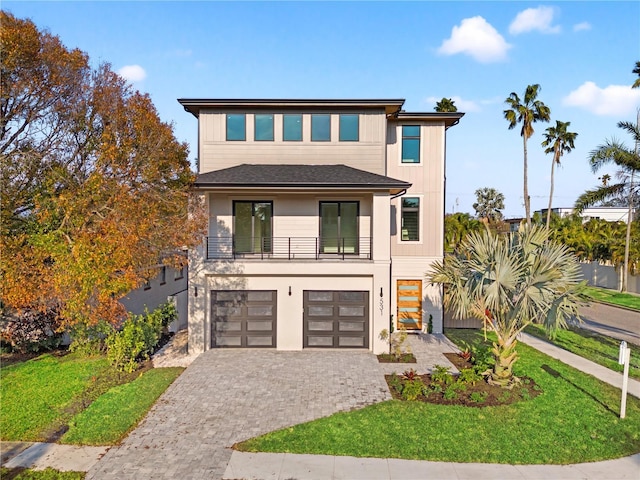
(613, 297)
(46, 474)
(35, 393)
(40, 397)
(575, 419)
(593, 346)
(107, 420)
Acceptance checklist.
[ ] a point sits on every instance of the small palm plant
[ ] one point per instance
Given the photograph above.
(509, 282)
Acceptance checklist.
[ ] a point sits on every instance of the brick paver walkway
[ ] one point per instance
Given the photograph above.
(226, 396)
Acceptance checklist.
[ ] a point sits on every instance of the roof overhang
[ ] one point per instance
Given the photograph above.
(194, 105)
(298, 178)
(449, 118)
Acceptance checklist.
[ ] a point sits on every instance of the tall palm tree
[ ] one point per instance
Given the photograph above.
(636, 70)
(558, 141)
(446, 105)
(613, 151)
(528, 111)
(509, 282)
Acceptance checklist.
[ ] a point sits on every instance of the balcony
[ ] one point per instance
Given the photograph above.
(288, 248)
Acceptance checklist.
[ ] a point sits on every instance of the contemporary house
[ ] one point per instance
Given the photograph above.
(324, 216)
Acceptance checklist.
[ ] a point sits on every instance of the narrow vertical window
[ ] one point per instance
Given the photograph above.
(410, 144)
(349, 128)
(236, 127)
(163, 275)
(263, 127)
(292, 127)
(410, 219)
(320, 128)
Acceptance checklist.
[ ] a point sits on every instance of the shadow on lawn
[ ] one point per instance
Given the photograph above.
(556, 374)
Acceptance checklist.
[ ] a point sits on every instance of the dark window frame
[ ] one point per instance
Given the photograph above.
(269, 245)
(284, 128)
(318, 116)
(342, 137)
(163, 275)
(255, 127)
(411, 138)
(409, 209)
(244, 132)
(340, 237)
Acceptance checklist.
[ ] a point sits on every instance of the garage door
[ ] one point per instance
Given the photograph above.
(243, 318)
(336, 319)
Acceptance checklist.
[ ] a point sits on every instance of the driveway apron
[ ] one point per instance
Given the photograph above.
(227, 396)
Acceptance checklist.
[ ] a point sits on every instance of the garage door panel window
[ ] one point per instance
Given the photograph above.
(259, 326)
(336, 319)
(260, 296)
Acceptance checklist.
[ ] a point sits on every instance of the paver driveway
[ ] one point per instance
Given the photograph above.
(227, 396)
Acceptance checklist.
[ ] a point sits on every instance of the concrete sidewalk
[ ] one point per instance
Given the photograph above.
(286, 466)
(582, 364)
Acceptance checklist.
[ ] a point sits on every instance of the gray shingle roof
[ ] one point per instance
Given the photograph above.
(298, 176)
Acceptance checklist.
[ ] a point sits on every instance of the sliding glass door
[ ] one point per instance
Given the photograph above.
(339, 227)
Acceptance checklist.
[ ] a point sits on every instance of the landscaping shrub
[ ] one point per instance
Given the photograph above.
(90, 340)
(138, 337)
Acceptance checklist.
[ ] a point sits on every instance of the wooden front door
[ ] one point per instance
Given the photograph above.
(409, 304)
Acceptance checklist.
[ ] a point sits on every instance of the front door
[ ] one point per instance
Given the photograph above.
(409, 304)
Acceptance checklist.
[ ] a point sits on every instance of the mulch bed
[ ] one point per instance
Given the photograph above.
(471, 395)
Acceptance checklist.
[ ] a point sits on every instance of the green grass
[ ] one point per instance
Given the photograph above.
(613, 297)
(35, 393)
(107, 420)
(593, 346)
(575, 419)
(47, 474)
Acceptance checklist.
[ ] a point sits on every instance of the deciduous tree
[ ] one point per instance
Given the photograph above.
(95, 186)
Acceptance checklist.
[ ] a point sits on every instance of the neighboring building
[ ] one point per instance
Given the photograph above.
(324, 217)
(168, 284)
(610, 214)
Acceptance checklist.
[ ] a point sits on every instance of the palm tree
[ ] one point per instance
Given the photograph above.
(446, 105)
(489, 203)
(527, 112)
(559, 141)
(613, 151)
(509, 282)
(636, 70)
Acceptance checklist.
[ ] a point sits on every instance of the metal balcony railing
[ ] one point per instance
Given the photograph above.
(288, 248)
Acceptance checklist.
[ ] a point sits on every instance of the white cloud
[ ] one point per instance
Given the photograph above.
(615, 100)
(534, 19)
(461, 104)
(132, 73)
(578, 27)
(478, 39)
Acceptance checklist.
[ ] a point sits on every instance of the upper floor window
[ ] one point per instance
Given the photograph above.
(292, 127)
(263, 127)
(410, 219)
(349, 128)
(236, 126)
(252, 226)
(339, 227)
(320, 128)
(163, 275)
(410, 144)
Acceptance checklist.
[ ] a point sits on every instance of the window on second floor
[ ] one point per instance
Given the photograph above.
(263, 130)
(236, 127)
(163, 275)
(410, 219)
(292, 127)
(339, 227)
(320, 127)
(349, 128)
(252, 226)
(411, 144)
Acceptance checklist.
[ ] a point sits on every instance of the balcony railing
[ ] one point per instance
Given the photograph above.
(288, 248)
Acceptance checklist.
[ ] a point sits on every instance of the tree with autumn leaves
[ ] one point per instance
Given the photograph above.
(95, 187)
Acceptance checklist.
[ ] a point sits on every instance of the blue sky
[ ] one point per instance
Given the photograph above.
(581, 53)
